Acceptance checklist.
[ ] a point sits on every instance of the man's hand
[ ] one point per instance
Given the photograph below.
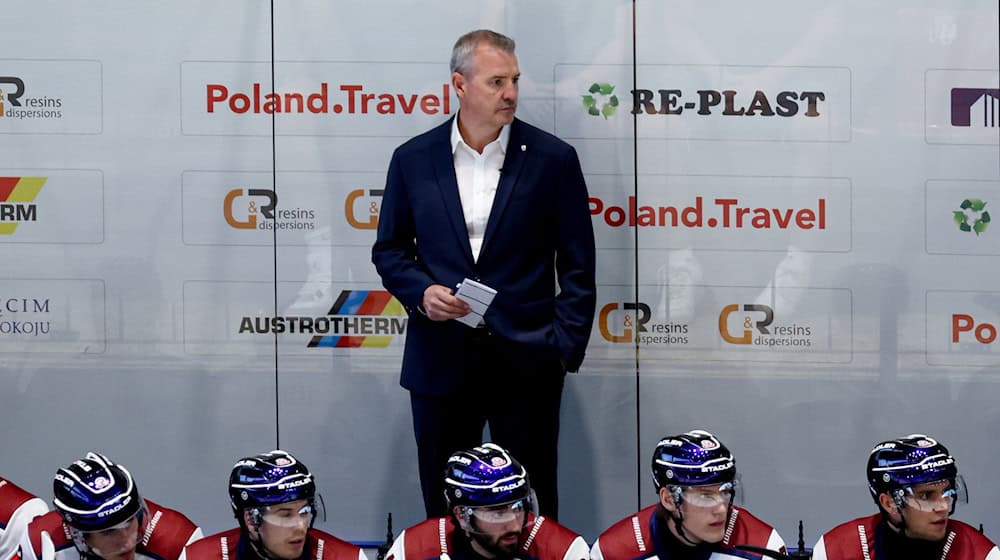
(440, 304)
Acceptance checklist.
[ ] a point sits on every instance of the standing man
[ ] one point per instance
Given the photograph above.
(915, 484)
(490, 198)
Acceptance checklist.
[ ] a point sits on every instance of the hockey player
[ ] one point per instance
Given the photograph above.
(696, 481)
(274, 499)
(17, 509)
(493, 516)
(915, 484)
(99, 513)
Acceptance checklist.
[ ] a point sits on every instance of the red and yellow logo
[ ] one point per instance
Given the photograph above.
(17, 195)
(367, 319)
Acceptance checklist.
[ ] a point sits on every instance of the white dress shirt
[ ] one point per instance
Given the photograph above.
(478, 176)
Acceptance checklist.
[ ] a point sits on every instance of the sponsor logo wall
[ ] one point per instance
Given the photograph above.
(824, 212)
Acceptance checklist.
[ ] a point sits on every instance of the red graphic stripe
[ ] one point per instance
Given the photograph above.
(350, 342)
(375, 303)
(7, 185)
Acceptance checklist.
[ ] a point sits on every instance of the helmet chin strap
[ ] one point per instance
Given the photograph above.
(258, 544)
(677, 517)
(897, 498)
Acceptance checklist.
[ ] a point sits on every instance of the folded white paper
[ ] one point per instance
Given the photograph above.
(478, 296)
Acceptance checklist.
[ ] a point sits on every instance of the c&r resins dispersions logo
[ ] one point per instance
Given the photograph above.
(15, 105)
(631, 323)
(287, 208)
(50, 96)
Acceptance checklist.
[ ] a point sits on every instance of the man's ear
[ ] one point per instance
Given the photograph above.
(458, 84)
(667, 499)
(460, 518)
(889, 505)
(248, 522)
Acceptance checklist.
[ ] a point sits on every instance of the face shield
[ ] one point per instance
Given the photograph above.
(293, 514)
(711, 496)
(935, 496)
(480, 519)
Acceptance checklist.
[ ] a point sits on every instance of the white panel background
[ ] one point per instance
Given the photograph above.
(888, 161)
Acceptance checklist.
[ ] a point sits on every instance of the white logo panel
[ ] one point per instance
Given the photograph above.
(306, 208)
(315, 98)
(312, 318)
(52, 315)
(703, 212)
(962, 106)
(962, 328)
(50, 97)
(698, 322)
(693, 102)
(959, 217)
(51, 206)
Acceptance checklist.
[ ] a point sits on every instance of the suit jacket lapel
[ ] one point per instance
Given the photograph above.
(512, 164)
(444, 171)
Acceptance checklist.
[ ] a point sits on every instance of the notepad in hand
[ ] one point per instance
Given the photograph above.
(478, 296)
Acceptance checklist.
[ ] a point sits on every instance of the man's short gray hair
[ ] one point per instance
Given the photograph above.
(461, 54)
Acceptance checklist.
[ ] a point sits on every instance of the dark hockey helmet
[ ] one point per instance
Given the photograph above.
(95, 494)
(694, 458)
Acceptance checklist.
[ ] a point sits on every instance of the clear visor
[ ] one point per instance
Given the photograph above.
(523, 511)
(502, 513)
(713, 495)
(936, 496)
(293, 514)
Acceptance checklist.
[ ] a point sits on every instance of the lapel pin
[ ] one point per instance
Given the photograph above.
(523, 147)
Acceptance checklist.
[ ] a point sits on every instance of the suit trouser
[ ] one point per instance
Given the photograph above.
(518, 394)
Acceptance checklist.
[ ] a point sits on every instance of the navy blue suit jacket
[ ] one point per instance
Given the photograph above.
(539, 231)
